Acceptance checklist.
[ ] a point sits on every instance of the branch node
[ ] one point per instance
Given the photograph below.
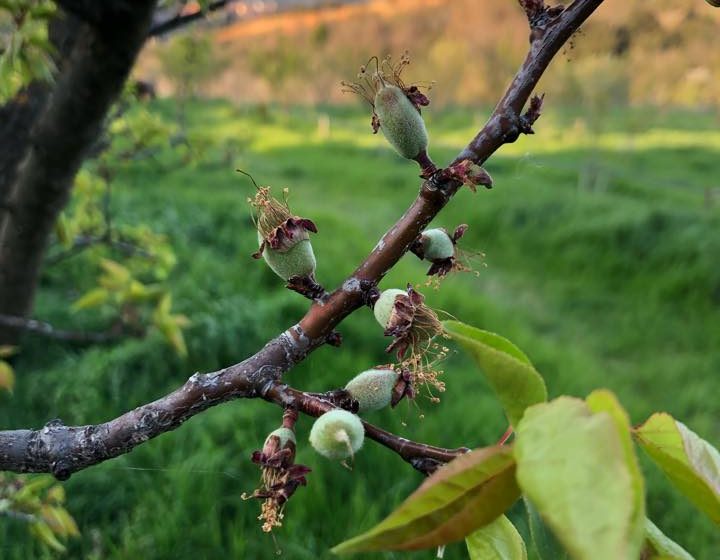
(334, 339)
(532, 114)
(61, 470)
(306, 286)
(426, 465)
(370, 292)
(539, 16)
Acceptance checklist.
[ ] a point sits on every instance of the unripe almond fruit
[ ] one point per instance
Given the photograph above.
(373, 389)
(337, 434)
(285, 435)
(385, 304)
(299, 260)
(437, 244)
(401, 122)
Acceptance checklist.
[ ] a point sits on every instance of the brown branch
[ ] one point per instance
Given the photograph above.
(183, 19)
(425, 458)
(46, 329)
(62, 450)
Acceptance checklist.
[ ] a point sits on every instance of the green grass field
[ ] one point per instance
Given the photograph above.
(603, 265)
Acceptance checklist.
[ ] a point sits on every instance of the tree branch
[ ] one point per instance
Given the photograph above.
(63, 450)
(183, 19)
(46, 329)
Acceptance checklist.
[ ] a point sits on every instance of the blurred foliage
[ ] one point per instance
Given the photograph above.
(660, 51)
(615, 286)
(135, 262)
(25, 50)
(39, 503)
(7, 373)
(189, 60)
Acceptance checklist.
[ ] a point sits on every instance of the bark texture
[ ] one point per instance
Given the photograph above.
(50, 130)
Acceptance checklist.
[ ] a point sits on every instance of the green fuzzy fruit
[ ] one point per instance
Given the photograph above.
(284, 434)
(337, 434)
(437, 244)
(299, 260)
(372, 389)
(401, 122)
(384, 305)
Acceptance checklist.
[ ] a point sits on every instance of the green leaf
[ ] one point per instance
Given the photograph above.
(603, 400)
(93, 298)
(7, 376)
(508, 370)
(6, 350)
(42, 531)
(33, 487)
(657, 545)
(546, 545)
(690, 462)
(571, 464)
(498, 540)
(459, 498)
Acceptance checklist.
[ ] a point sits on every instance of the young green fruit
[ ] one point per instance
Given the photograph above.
(337, 434)
(373, 389)
(284, 241)
(299, 260)
(437, 244)
(401, 122)
(385, 305)
(285, 435)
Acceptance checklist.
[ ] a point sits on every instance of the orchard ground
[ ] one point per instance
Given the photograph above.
(601, 263)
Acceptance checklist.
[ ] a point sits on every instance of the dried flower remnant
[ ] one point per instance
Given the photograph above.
(285, 242)
(467, 173)
(413, 326)
(440, 248)
(280, 476)
(395, 108)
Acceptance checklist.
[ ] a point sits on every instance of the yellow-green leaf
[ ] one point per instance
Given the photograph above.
(67, 521)
(508, 370)
(459, 498)
(33, 487)
(62, 231)
(7, 376)
(659, 546)
(604, 401)
(116, 277)
(115, 270)
(571, 464)
(173, 334)
(690, 462)
(42, 531)
(93, 298)
(6, 350)
(56, 494)
(544, 543)
(498, 540)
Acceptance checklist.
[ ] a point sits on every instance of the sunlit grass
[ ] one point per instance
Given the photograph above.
(602, 265)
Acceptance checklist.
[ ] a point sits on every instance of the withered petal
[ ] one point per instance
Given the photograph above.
(375, 123)
(441, 267)
(459, 232)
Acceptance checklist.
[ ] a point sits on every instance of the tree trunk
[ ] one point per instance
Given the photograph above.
(46, 135)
